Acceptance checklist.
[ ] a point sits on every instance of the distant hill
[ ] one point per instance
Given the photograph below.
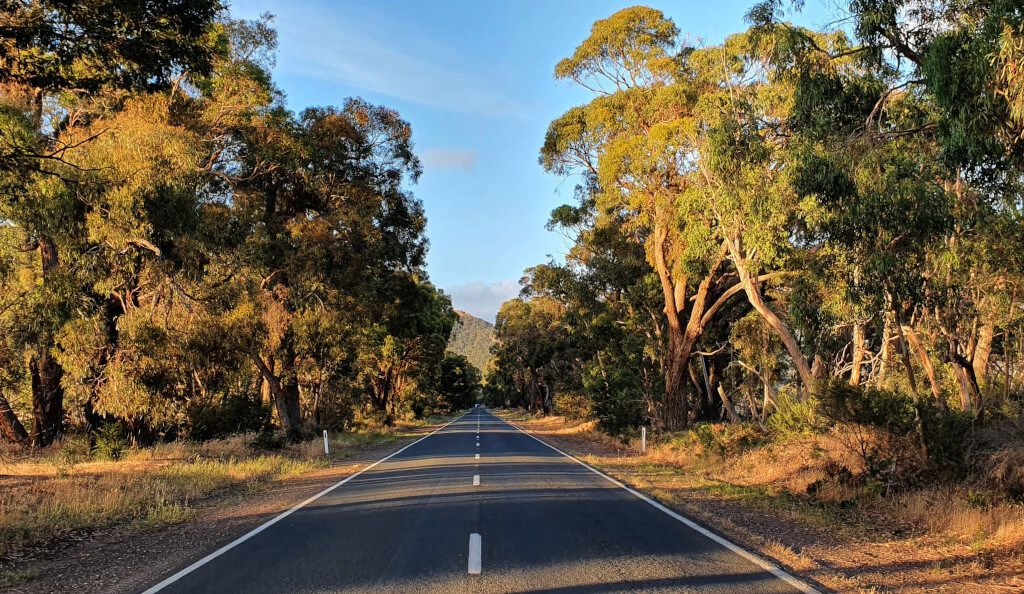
(472, 338)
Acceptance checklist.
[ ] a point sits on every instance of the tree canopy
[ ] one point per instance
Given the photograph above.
(177, 243)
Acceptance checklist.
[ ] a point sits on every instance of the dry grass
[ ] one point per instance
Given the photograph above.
(61, 491)
(963, 516)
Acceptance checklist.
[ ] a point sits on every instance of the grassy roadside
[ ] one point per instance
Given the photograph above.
(948, 539)
(61, 493)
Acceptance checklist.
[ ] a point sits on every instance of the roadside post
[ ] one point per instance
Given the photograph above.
(643, 440)
(327, 446)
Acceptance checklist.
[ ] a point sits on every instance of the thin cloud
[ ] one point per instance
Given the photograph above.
(482, 299)
(323, 45)
(439, 158)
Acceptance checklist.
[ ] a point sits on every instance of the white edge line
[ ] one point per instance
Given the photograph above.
(756, 559)
(271, 522)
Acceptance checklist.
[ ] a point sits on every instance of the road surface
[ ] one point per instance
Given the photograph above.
(479, 506)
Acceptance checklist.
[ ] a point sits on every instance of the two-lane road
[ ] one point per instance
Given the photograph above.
(479, 506)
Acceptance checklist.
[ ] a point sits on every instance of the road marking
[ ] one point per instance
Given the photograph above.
(475, 560)
(756, 559)
(476, 480)
(478, 456)
(271, 522)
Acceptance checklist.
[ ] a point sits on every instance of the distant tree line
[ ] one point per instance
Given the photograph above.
(182, 255)
(762, 222)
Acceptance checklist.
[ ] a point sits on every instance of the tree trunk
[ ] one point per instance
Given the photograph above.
(676, 402)
(983, 352)
(682, 340)
(727, 403)
(753, 292)
(883, 354)
(859, 346)
(926, 361)
(285, 393)
(10, 425)
(47, 399)
(265, 391)
(46, 373)
(752, 403)
(970, 392)
(905, 354)
(907, 363)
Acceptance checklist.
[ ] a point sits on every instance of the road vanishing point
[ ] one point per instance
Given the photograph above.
(480, 506)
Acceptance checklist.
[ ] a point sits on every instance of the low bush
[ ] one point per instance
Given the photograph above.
(110, 441)
(792, 417)
(995, 455)
(237, 413)
(572, 406)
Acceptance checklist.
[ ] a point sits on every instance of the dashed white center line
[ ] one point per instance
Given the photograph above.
(476, 480)
(478, 456)
(475, 560)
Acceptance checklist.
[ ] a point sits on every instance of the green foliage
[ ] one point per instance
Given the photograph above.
(616, 396)
(884, 409)
(269, 439)
(236, 413)
(180, 246)
(792, 416)
(572, 406)
(458, 386)
(110, 441)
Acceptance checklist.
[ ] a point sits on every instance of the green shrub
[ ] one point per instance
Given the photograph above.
(237, 413)
(705, 436)
(110, 441)
(792, 417)
(268, 439)
(74, 449)
(572, 406)
(883, 409)
(617, 399)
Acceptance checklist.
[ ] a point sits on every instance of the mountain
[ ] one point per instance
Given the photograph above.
(472, 338)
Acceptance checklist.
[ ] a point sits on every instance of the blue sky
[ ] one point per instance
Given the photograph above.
(474, 79)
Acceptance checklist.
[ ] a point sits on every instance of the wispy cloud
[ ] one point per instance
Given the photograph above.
(482, 299)
(322, 44)
(439, 158)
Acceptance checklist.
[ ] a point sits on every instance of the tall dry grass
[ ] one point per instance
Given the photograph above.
(62, 490)
(777, 472)
(56, 493)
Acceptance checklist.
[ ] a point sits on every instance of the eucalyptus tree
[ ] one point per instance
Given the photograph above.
(58, 62)
(912, 144)
(633, 143)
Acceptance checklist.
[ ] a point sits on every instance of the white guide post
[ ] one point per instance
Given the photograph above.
(327, 445)
(643, 440)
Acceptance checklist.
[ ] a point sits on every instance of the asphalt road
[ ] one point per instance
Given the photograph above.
(479, 506)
